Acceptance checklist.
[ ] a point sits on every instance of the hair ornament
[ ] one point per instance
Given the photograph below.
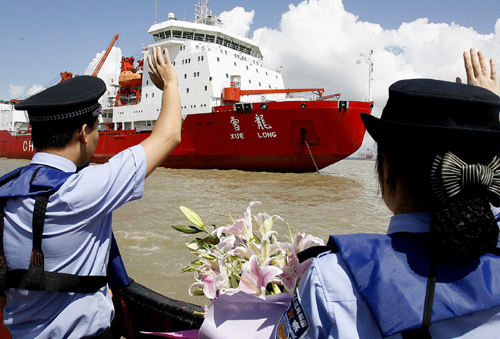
(451, 176)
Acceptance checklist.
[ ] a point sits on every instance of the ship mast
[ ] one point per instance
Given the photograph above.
(368, 59)
(202, 15)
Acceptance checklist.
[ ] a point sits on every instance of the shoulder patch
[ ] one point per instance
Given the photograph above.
(293, 323)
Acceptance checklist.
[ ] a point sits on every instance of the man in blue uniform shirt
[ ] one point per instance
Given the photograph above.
(77, 223)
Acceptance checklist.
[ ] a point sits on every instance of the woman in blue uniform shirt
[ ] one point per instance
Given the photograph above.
(436, 274)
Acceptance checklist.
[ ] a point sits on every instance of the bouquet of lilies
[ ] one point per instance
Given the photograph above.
(237, 257)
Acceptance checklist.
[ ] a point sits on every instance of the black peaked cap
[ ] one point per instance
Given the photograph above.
(66, 100)
(438, 116)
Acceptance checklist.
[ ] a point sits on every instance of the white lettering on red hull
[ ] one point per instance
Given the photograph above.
(237, 136)
(28, 146)
(266, 135)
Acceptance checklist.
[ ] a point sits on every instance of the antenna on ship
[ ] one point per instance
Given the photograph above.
(202, 15)
(368, 59)
(156, 10)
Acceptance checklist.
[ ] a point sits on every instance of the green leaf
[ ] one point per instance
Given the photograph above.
(208, 256)
(207, 241)
(192, 216)
(234, 281)
(188, 269)
(188, 229)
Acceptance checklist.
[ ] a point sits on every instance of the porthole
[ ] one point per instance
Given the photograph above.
(263, 107)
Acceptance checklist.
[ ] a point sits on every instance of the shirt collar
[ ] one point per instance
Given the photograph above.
(418, 222)
(52, 160)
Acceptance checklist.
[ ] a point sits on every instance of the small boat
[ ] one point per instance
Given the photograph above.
(140, 309)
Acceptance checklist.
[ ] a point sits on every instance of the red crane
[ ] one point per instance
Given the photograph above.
(68, 75)
(99, 65)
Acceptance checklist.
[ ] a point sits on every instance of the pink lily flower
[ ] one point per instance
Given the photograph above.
(255, 278)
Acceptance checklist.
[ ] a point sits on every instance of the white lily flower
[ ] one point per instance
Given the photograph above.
(265, 222)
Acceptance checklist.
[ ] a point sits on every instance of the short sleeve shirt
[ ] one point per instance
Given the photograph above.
(334, 308)
(76, 240)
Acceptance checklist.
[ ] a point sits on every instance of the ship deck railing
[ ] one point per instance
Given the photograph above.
(210, 41)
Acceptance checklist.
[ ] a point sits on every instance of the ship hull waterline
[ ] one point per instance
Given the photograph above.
(291, 136)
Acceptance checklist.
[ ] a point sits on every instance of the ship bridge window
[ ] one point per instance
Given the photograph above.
(188, 35)
(220, 41)
(210, 38)
(199, 36)
(168, 34)
(177, 34)
(156, 37)
(162, 35)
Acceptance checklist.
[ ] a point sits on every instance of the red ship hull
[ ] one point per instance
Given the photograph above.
(282, 137)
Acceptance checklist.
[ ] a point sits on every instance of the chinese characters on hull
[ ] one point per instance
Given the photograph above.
(262, 126)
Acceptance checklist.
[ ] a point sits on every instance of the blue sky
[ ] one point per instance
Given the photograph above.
(40, 39)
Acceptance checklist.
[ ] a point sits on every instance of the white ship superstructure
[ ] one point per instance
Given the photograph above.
(205, 56)
(11, 120)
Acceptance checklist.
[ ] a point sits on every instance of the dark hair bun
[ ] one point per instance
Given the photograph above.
(464, 228)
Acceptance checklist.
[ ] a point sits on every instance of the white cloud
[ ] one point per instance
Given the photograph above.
(318, 44)
(16, 91)
(34, 90)
(109, 72)
(237, 20)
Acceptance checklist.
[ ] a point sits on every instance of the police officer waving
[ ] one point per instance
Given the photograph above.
(56, 220)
